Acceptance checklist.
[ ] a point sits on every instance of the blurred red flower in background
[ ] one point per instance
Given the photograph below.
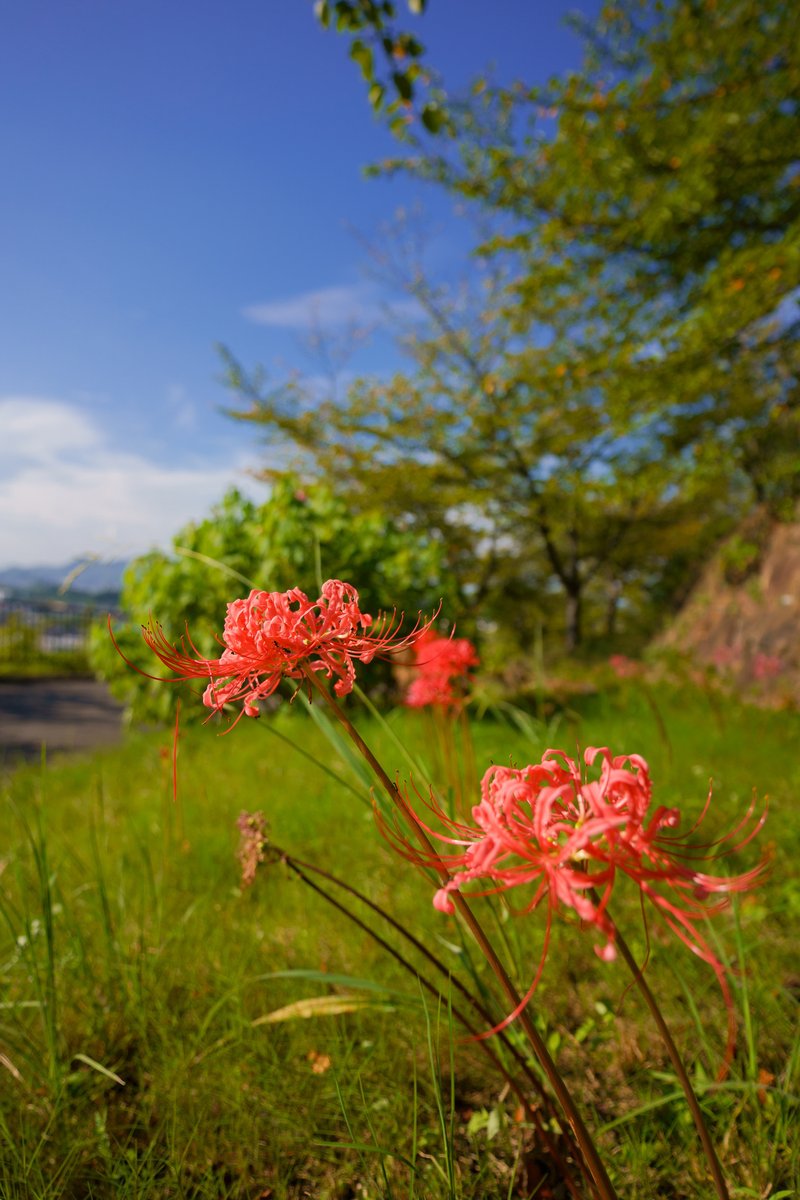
(443, 666)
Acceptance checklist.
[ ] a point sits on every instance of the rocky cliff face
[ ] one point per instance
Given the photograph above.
(743, 617)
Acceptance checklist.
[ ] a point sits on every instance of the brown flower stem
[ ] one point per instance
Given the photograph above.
(422, 949)
(437, 963)
(601, 1181)
(456, 983)
(461, 1017)
(674, 1055)
(532, 1114)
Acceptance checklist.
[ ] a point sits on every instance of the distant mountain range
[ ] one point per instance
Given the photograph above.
(89, 579)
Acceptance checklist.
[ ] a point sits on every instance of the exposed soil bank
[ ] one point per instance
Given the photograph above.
(745, 620)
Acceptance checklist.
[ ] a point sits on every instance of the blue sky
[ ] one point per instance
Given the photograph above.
(177, 176)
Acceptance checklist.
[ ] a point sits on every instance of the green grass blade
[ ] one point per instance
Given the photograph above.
(269, 727)
(185, 552)
(340, 744)
(346, 981)
(96, 1066)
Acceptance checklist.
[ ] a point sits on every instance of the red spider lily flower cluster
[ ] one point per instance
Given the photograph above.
(270, 636)
(767, 666)
(443, 666)
(624, 667)
(568, 839)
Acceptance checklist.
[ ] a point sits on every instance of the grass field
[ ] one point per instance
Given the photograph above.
(141, 1052)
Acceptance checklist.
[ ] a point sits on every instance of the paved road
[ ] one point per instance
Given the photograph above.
(64, 714)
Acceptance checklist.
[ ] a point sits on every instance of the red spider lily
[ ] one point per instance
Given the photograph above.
(624, 667)
(767, 666)
(546, 827)
(274, 635)
(443, 666)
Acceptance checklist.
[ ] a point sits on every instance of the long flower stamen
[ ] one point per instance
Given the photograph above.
(549, 828)
(270, 636)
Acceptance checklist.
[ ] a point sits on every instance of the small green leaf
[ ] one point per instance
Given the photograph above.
(405, 88)
(361, 54)
(478, 1121)
(583, 1030)
(494, 1123)
(432, 118)
(345, 17)
(408, 45)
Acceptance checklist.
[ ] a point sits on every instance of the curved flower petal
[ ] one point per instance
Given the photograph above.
(546, 828)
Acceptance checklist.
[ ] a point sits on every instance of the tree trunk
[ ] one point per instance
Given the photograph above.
(612, 609)
(574, 617)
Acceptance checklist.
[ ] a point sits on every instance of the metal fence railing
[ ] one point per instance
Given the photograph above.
(36, 630)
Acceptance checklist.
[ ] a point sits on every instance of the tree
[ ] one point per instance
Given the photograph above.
(509, 450)
(629, 385)
(295, 539)
(668, 168)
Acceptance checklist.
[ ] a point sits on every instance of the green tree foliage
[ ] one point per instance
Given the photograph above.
(297, 537)
(389, 60)
(546, 497)
(627, 387)
(668, 172)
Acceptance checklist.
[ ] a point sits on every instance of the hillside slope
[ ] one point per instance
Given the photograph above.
(743, 616)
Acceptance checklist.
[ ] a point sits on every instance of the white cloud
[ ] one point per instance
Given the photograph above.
(66, 491)
(356, 304)
(38, 430)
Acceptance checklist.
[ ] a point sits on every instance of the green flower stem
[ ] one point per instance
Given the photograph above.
(674, 1055)
(601, 1181)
